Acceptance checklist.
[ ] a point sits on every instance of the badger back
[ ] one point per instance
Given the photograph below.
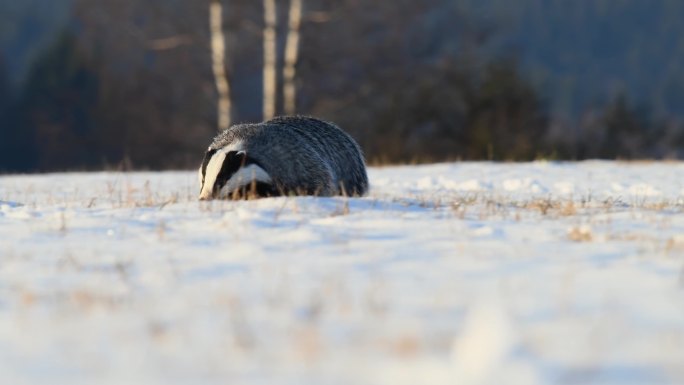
(334, 147)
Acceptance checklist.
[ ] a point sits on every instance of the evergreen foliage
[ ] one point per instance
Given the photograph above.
(131, 82)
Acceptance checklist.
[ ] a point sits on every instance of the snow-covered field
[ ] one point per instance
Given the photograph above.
(465, 273)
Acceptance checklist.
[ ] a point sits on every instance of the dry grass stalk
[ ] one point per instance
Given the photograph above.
(580, 234)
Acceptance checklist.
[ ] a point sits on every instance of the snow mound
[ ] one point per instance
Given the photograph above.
(459, 273)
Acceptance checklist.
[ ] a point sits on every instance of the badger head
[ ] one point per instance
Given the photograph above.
(227, 173)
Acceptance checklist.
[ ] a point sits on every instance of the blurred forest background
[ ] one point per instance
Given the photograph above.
(88, 84)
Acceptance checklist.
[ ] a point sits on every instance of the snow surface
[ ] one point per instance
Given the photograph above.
(464, 273)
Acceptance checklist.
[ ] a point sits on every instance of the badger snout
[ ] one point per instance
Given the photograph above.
(207, 195)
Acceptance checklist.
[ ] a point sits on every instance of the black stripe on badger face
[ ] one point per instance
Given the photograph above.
(234, 160)
(207, 157)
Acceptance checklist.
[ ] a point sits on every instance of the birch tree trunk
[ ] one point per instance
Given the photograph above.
(291, 56)
(270, 79)
(218, 55)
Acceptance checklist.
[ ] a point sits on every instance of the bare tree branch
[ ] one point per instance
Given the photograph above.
(270, 79)
(291, 56)
(218, 53)
(167, 43)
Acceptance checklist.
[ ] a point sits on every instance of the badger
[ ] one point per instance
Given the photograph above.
(291, 155)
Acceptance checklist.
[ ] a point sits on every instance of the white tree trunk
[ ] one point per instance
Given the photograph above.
(291, 56)
(270, 79)
(218, 55)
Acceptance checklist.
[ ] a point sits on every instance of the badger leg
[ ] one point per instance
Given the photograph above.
(255, 190)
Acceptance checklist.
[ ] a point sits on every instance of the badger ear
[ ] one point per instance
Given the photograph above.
(237, 157)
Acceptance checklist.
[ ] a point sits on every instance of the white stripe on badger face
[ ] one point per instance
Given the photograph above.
(244, 177)
(206, 188)
(213, 169)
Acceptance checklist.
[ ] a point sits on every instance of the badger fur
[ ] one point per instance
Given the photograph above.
(283, 156)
